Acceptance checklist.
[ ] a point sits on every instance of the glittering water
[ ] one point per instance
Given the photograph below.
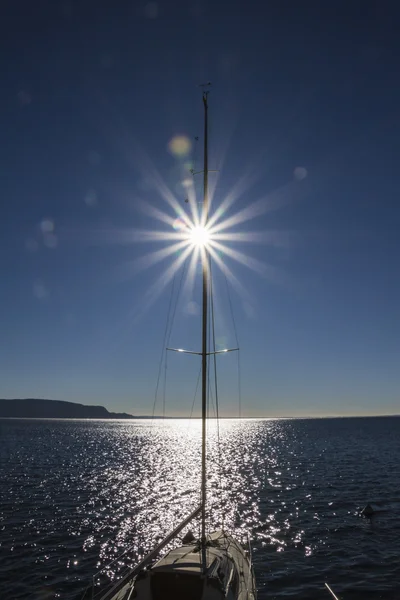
(74, 495)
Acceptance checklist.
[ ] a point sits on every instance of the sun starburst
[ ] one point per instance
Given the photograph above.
(186, 237)
(181, 228)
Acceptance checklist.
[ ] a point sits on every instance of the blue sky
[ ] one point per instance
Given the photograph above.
(303, 115)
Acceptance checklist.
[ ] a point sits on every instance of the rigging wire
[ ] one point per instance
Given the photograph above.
(195, 154)
(167, 335)
(164, 345)
(195, 393)
(208, 349)
(177, 298)
(165, 383)
(241, 437)
(172, 307)
(216, 391)
(237, 345)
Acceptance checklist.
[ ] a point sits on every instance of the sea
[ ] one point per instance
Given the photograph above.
(77, 495)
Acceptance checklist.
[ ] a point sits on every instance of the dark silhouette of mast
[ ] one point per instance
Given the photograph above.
(204, 257)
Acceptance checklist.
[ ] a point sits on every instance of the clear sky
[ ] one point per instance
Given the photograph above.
(305, 129)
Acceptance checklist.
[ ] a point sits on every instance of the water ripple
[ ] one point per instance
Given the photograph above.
(77, 494)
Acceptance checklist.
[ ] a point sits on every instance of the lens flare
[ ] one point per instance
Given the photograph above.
(180, 145)
(179, 224)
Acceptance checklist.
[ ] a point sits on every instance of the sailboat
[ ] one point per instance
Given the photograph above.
(215, 566)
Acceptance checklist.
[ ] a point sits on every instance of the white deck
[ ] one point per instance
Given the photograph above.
(179, 574)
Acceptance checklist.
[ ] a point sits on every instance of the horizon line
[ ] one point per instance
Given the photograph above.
(172, 418)
(146, 416)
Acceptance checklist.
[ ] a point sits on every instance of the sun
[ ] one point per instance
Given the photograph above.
(199, 236)
(191, 235)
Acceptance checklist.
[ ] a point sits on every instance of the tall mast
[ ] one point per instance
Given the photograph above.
(204, 256)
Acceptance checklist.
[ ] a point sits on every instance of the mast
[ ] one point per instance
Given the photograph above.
(204, 258)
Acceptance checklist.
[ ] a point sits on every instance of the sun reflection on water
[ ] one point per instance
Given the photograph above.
(80, 493)
(158, 484)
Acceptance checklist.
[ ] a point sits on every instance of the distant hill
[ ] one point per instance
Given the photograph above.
(55, 409)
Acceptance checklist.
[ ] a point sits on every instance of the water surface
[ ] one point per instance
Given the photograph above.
(75, 494)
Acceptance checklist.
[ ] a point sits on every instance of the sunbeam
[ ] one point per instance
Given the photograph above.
(272, 201)
(161, 283)
(237, 286)
(239, 188)
(148, 260)
(155, 213)
(191, 275)
(261, 268)
(280, 239)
